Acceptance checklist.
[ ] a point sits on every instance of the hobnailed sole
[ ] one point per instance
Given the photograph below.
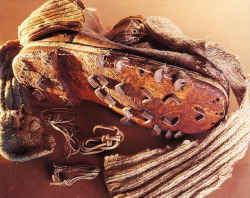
(153, 94)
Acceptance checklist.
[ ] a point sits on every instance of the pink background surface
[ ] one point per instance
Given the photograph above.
(226, 22)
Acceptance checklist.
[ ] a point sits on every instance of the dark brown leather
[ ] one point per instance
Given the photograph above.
(151, 93)
(128, 31)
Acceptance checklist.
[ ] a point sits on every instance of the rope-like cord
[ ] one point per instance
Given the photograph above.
(100, 144)
(56, 117)
(85, 172)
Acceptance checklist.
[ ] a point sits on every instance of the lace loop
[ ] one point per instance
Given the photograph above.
(61, 119)
(105, 142)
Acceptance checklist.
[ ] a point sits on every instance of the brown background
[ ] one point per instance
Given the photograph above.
(226, 22)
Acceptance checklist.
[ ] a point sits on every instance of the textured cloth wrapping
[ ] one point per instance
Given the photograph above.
(194, 168)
